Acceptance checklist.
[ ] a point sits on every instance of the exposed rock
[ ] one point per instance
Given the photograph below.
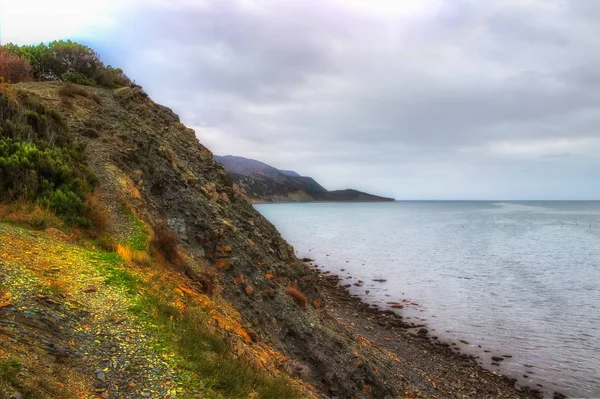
(91, 133)
(100, 375)
(158, 168)
(179, 226)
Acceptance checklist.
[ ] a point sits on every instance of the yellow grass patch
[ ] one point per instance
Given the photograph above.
(29, 214)
(132, 255)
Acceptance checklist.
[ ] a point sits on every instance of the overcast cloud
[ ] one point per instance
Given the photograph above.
(413, 99)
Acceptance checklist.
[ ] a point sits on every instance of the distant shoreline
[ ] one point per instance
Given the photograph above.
(322, 202)
(419, 200)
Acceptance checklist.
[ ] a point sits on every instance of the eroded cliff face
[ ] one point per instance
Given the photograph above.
(145, 158)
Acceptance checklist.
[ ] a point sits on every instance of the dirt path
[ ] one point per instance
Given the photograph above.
(67, 332)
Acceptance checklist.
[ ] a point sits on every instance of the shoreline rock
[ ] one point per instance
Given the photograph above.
(413, 345)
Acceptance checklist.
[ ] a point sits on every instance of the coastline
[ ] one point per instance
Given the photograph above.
(436, 367)
(362, 201)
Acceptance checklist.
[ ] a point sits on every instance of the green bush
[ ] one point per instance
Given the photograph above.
(78, 78)
(69, 61)
(39, 162)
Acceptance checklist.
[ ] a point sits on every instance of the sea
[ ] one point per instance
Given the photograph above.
(509, 278)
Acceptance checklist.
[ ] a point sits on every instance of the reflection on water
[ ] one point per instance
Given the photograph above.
(510, 278)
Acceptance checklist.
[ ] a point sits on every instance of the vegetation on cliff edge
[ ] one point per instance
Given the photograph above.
(171, 341)
(59, 60)
(39, 161)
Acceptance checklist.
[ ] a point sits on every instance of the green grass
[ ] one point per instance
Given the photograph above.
(208, 355)
(9, 371)
(206, 361)
(205, 353)
(115, 274)
(139, 240)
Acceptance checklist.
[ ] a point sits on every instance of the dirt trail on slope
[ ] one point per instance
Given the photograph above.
(71, 333)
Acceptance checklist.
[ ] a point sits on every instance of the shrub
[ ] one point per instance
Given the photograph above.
(97, 213)
(30, 214)
(78, 78)
(297, 295)
(38, 56)
(69, 61)
(65, 202)
(70, 90)
(107, 243)
(39, 162)
(13, 68)
(166, 242)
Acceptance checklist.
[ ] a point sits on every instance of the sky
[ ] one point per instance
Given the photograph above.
(414, 99)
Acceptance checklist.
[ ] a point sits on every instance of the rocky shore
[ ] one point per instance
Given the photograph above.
(421, 356)
(271, 312)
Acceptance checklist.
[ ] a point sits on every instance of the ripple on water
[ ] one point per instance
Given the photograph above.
(511, 278)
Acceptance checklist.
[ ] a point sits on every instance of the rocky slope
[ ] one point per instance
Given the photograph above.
(264, 183)
(145, 158)
(235, 267)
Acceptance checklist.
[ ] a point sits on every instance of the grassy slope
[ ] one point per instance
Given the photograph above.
(145, 312)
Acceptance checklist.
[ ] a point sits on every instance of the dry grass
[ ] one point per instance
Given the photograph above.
(97, 99)
(70, 90)
(66, 102)
(98, 214)
(107, 243)
(132, 255)
(32, 215)
(297, 295)
(166, 242)
(57, 285)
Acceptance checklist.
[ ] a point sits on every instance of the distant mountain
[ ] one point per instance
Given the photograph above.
(289, 173)
(264, 183)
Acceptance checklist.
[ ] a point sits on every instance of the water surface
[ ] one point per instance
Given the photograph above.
(511, 278)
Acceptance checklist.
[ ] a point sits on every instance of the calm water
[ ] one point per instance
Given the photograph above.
(516, 278)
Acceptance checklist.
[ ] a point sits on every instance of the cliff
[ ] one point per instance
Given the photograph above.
(231, 264)
(264, 183)
(168, 283)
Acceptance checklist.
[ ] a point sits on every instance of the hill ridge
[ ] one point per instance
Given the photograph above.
(265, 183)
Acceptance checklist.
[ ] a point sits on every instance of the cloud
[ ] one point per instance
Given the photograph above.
(461, 99)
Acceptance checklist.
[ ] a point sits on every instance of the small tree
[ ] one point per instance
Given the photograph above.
(13, 68)
(69, 61)
(69, 56)
(38, 56)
